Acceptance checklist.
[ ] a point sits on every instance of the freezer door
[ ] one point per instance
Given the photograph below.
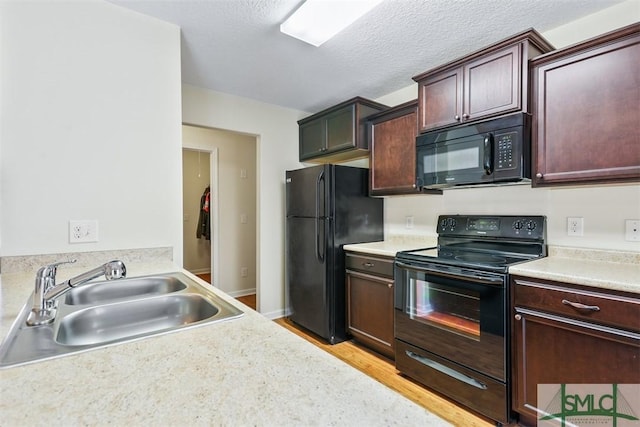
(307, 279)
(306, 191)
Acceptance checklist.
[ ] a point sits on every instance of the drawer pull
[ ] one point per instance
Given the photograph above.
(368, 264)
(579, 306)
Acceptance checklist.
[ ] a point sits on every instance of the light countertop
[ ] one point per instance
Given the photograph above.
(603, 269)
(392, 245)
(245, 371)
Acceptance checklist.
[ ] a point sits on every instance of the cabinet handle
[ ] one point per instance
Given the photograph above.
(368, 264)
(539, 175)
(465, 116)
(518, 317)
(390, 285)
(457, 117)
(579, 306)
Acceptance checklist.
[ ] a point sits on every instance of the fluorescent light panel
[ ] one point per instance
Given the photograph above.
(316, 21)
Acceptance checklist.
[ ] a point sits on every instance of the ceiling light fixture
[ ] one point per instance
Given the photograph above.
(316, 21)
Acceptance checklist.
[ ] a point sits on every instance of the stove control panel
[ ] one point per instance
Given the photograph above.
(511, 226)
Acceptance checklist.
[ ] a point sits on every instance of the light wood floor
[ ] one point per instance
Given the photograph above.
(382, 370)
(249, 300)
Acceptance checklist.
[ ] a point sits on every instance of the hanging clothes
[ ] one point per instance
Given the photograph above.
(204, 220)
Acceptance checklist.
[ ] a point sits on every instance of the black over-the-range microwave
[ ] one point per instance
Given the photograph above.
(494, 151)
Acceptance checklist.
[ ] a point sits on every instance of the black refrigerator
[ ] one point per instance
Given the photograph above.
(327, 206)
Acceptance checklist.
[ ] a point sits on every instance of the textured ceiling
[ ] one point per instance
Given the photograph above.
(235, 47)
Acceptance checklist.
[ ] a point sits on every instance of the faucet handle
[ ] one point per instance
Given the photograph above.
(56, 264)
(50, 269)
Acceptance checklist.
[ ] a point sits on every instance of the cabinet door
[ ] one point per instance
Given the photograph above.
(392, 160)
(440, 100)
(341, 129)
(552, 349)
(312, 139)
(370, 311)
(587, 116)
(492, 84)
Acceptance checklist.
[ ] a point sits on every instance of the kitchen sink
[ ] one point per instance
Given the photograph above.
(135, 308)
(112, 322)
(106, 291)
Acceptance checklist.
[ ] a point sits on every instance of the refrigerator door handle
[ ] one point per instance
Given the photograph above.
(319, 256)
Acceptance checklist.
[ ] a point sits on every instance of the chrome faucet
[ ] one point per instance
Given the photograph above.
(46, 291)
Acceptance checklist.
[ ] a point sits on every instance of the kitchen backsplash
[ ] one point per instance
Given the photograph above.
(603, 208)
(31, 263)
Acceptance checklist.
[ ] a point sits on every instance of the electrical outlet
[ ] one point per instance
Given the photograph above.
(83, 231)
(575, 226)
(409, 222)
(632, 230)
(244, 271)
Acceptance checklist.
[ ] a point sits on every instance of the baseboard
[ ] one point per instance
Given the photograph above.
(272, 315)
(241, 293)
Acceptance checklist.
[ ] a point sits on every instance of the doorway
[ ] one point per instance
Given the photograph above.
(196, 211)
(233, 204)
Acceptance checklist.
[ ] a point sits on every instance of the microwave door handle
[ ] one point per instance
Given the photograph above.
(488, 153)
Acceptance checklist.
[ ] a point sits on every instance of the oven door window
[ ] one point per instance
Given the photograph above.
(453, 309)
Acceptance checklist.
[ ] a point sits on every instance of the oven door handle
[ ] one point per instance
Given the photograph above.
(446, 370)
(475, 277)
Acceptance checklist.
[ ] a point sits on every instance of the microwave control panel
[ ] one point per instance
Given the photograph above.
(505, 146)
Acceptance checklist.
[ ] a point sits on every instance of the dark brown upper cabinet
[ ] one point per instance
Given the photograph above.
(337, 133)
(392, 145)
(486, 83)
(586, 111)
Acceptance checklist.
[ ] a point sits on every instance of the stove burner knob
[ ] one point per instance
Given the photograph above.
(531, 225)
(443, 223)
(518, 225)
(451, 223)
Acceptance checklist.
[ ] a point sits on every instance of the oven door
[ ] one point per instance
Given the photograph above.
(458, 314)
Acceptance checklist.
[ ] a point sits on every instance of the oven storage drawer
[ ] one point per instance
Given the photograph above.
(591, 306)
(369, 264)
(476, 391)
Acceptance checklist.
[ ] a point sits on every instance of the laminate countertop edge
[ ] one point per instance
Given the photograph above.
(604, 269)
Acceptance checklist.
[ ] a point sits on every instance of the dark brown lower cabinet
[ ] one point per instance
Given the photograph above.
(566, 335)
(370, 302)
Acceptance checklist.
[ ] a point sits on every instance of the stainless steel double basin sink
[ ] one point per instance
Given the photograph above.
(109, 312)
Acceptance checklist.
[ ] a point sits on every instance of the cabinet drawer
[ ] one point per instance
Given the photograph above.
(370, 264)
(466, 386)
(606, 309)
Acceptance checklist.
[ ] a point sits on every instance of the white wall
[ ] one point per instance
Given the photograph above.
(604, 208)
(276, 130)
(234, 196)
(90, 127)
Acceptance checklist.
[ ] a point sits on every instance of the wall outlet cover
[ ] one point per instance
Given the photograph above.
(575, 226)
(83, 231)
